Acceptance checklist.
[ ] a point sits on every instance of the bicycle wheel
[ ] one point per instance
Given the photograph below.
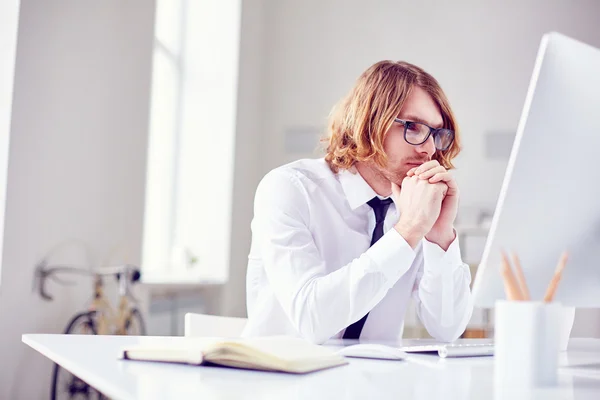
(135, 323)
(65, 385)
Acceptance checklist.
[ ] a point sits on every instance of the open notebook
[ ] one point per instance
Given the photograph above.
(274, 353)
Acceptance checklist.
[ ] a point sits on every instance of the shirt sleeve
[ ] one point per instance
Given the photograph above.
(442, 291)
(318, 303)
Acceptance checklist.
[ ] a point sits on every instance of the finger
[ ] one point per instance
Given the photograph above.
(411, 171)
(448, 179)
(429, 173)
(426, 166)
(443, 188)
(441, 177)
(445, 177)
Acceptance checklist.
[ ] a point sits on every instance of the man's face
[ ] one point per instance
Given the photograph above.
(402, 156)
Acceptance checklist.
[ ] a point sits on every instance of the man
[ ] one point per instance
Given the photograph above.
(341, 244)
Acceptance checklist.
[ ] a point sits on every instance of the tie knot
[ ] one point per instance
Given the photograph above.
(377, 202)
(380, 207)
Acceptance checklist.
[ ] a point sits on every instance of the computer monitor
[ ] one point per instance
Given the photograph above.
(550, 197)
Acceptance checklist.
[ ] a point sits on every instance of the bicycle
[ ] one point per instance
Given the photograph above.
(101, 318)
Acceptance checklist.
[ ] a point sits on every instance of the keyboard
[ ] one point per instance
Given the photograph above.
(453, 349)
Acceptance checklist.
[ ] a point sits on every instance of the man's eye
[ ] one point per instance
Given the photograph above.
(411, 126)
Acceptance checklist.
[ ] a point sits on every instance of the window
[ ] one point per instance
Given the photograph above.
(190, 163)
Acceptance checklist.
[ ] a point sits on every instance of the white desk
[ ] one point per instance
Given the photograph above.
(94, 359)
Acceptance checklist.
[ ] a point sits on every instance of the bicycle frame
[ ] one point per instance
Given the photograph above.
(106, 316)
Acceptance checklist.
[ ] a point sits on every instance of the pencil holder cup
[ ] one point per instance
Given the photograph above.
(526, 342)
(567, 320)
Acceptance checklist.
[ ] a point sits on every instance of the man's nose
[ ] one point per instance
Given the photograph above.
(427, 148)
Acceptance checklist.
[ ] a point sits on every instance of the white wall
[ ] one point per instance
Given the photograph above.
(248, 150)
(309, 53)
(482, 52)
(77, 162)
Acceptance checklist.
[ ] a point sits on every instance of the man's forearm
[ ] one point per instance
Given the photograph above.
(443, 291)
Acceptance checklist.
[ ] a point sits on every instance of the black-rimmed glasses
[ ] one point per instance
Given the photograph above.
(417, 133)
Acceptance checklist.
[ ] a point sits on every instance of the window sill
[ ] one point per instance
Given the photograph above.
(168, 284)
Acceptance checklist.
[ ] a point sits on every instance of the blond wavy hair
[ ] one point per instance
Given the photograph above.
(359, 122)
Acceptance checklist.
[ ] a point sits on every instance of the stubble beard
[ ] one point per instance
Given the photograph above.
(392, 176)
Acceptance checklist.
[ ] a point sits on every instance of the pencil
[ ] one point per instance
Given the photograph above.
(562, 262)
(510, 284)
(521, 278)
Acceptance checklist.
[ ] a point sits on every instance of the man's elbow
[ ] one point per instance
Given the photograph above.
(310, 327)
(453, 331)
(315, 337)
(447, 335)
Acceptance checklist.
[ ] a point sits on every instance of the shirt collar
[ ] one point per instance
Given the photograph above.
(356, 189)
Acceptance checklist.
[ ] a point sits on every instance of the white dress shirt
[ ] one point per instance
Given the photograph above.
(311, 272)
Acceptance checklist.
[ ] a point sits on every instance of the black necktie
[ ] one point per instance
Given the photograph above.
(379, 207)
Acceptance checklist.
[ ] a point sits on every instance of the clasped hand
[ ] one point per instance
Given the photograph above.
(428, 204)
